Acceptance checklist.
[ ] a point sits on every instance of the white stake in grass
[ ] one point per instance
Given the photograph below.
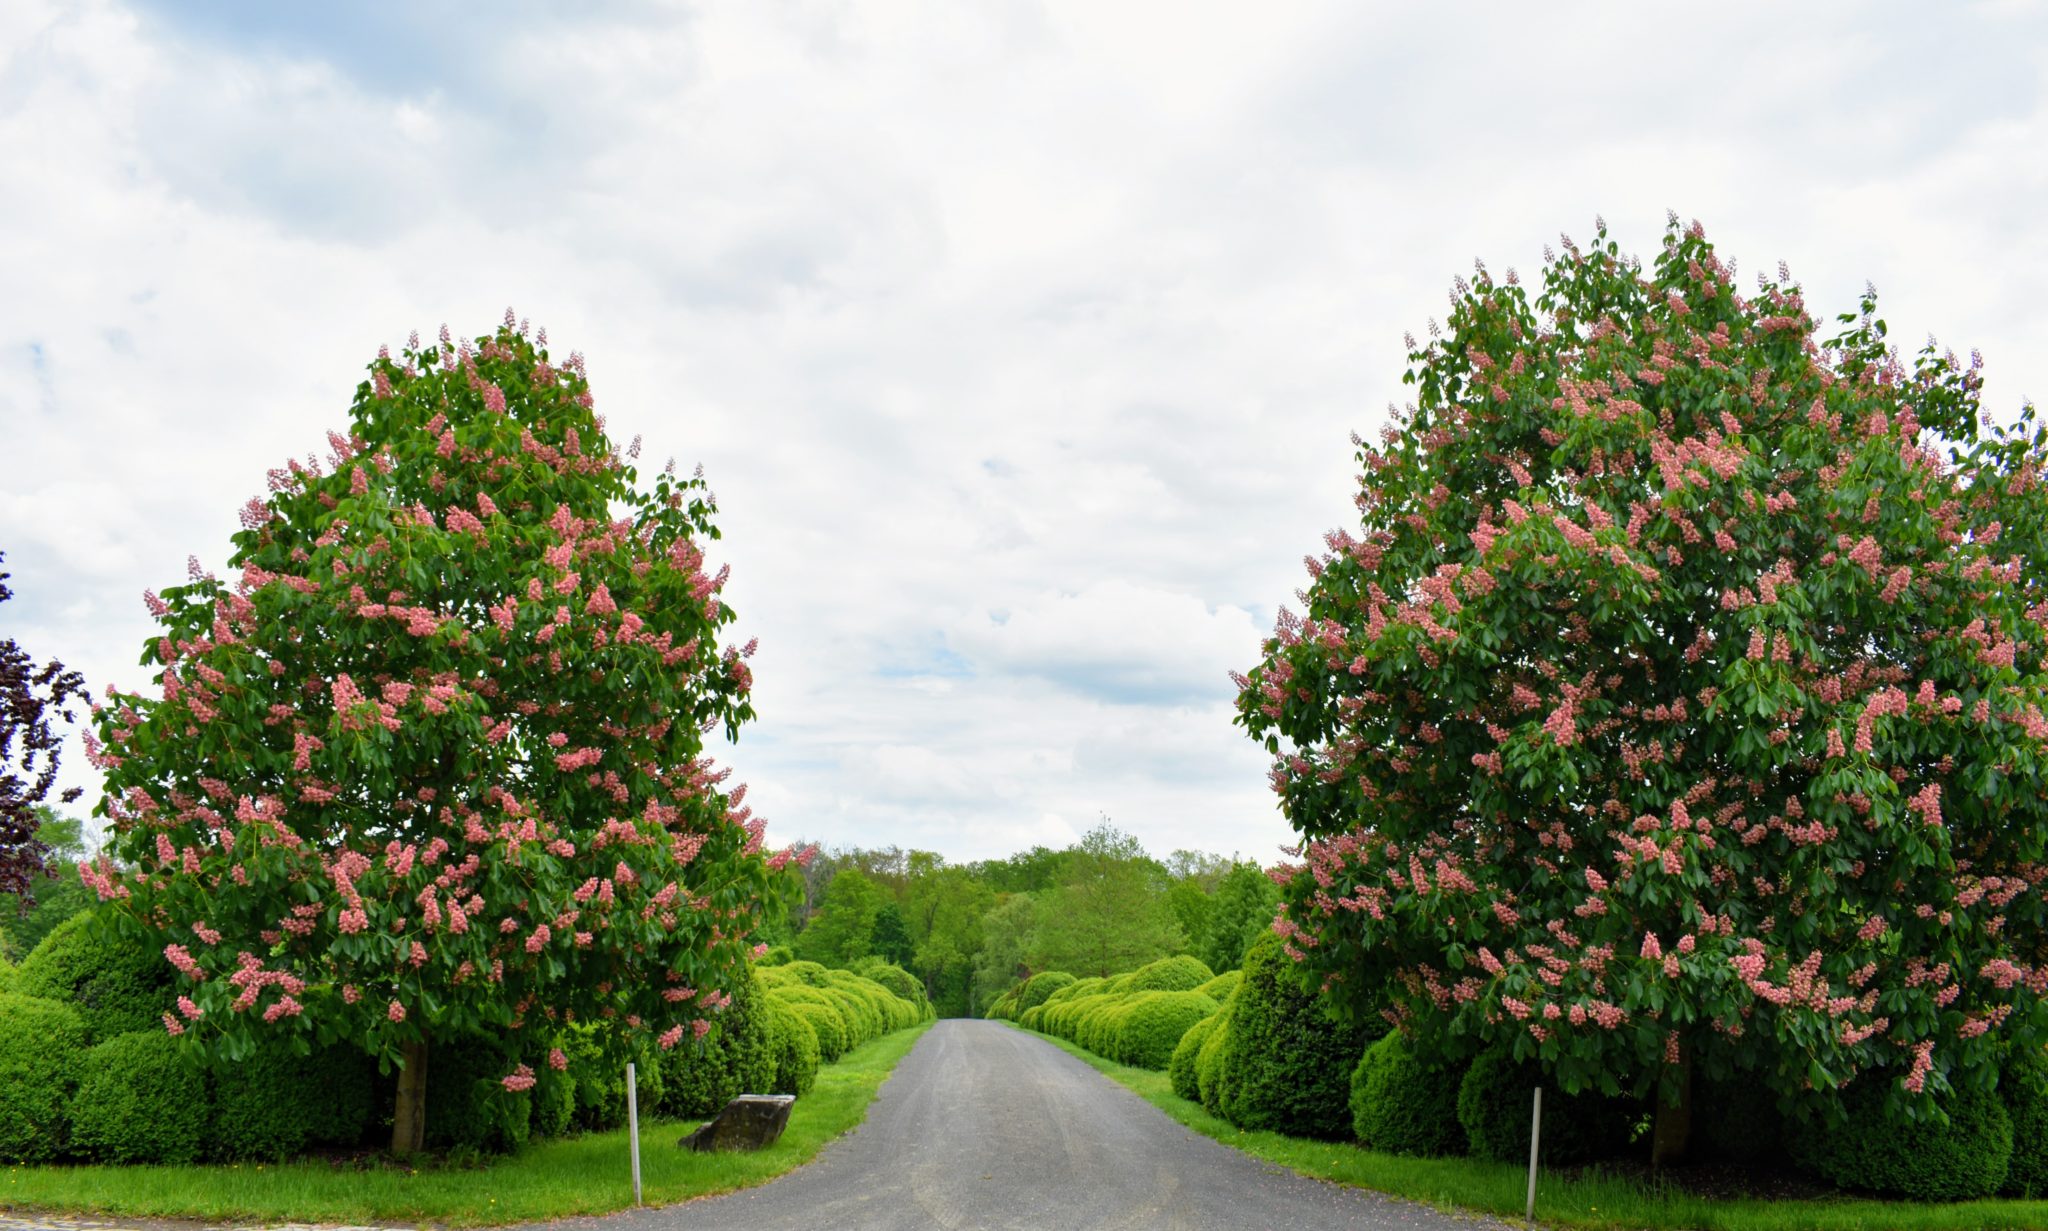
(1535, 1135)
(633, 1131)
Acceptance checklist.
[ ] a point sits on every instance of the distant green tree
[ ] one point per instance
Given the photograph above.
(1110, 912)
(1245, 903)
(891, 940)
(1032, 871)
(843, 927)
(1191, 880)
(23, 924)
(1007, 931)
(945, 906)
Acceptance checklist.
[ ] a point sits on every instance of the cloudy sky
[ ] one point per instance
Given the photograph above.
(1021, 341)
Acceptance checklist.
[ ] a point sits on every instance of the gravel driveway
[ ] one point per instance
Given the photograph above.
(983, 1126)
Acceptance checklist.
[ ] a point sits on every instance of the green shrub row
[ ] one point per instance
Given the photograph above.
(88, 1073)
(1136, 1018)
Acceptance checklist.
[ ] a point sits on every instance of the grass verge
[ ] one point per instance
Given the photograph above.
(1576, 1201)
(550, 1179)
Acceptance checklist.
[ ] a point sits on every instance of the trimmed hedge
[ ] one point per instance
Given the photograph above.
(796, 1048)
(1149, 1027)
(8, 974)
(117, 986)
(1494, 1104)
(823, 1016)
(274, 1104)
(896, 981)
(1180, 1068)
(699, 1077)
(1879, 1151)
(1033, 1018)
(1037, 989)
(1169, 974)
(141, 1099)
(42, 1043)
(1400, 1105)
(1286, 1063)
(1219, 988)
(2024, 1087)
(468, 1106)
(1209, 1061)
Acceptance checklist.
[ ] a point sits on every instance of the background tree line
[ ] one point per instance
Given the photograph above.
(970, 931)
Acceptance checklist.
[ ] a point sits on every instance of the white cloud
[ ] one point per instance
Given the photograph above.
(1061, 311)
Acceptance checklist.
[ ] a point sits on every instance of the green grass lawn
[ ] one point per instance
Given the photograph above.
(1499, 1188)
(551, 1179)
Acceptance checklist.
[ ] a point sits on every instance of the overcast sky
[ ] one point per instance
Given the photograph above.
(1021, 342)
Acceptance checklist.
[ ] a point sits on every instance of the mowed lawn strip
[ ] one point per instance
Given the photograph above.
(1498, 1188)
(549, 1179)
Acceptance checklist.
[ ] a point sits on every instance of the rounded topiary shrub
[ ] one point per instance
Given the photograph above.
(1150, 1027)
(468, 1106)
(117, 985)
(274, 1104)
(796, 1049)
(1169, 974)
(7, 975)
(1210, 1060)
(2024, 1089)
(1401, 1105)
(1735, 1120)
(777, 955)
(897, 981)
(1219, 988)
(1180, 1068)
(1495, 1099)
(42, 1046)
(1039, 988)
(825, 1019)
(554, 1101)
(700, 1076)
(810, 973)
(1033, 1018)
(141, 1099)
(1881, 1151)
(1287, 1065)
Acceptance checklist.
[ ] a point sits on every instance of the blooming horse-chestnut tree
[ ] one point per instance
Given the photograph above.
(434, 763)
(1680, 705)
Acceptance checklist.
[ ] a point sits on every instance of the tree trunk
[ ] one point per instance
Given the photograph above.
(1673, 1129)
(409, 1118)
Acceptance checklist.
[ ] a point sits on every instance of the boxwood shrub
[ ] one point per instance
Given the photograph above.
(117, 985)
(898, 982)
(1882, 1151)
(274, 1104)
(1210, 1060)
(1180, 1068)
(1286, 1065)
(42, 1045)
(141, 1099)
(1494, 1103)
(824, 1017)
(796, 1048)
(1169, 974)
(1400, 1105)
(1033, 1018)
(2024, 1087)
(1037, 989)
(468, 1106)
(1219, 988)
(700, 1076)
(1150, 1026)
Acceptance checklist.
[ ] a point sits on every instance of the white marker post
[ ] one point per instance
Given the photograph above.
(633, 1129)
(1535, 1135)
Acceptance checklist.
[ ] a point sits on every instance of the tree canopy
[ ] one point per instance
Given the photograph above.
(1679, 698)
(433, 762)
